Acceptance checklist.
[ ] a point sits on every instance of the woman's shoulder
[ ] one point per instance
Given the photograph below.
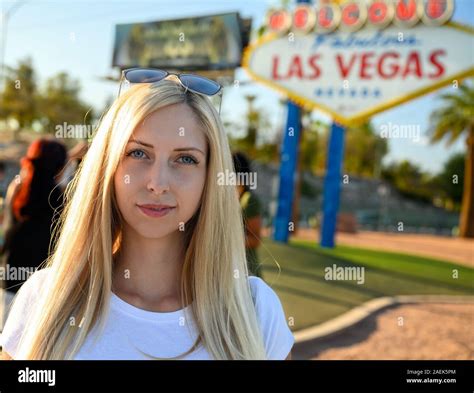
(36, 280)
(277, 335)
(24, 303)
(30, 290)
(260, 289)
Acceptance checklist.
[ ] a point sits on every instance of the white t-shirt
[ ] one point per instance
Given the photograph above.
(129, 329)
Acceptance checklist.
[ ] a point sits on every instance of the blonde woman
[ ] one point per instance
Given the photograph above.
(150, 260)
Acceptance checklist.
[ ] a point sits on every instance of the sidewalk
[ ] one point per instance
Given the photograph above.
(406, 332)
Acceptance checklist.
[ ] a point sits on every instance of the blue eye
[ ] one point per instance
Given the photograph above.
(132, 153)
(190, 160)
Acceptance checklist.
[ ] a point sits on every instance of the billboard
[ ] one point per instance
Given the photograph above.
(352, 76)
(202, 43)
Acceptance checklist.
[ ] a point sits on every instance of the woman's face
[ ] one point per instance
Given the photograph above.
(164, 164)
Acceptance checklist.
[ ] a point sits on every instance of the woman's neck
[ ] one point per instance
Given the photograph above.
(147, 272)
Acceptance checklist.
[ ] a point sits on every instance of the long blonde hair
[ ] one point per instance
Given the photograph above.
(214, 279)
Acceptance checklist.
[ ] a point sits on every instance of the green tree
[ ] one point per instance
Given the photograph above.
(60, 103)
(455, 119)
(19, 96)
(256, 126)
(450, 180)
(364, 151)
(268, 152)
(253, 122)
(411, 181)
(313, 145)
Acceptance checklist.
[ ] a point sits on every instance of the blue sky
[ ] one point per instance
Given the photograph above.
(77, 36)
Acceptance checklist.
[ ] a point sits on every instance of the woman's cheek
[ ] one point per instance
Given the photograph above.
(126, 179)
(184, 181)
(189, 189)
(118, 184)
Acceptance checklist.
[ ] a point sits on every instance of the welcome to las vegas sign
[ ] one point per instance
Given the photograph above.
(353, 75)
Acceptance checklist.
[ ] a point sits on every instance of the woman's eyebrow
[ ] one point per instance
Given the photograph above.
(178, 149)
(190, 148)
(140, 143)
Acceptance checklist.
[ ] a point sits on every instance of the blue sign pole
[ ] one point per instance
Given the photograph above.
(288, 162)
(332, 185)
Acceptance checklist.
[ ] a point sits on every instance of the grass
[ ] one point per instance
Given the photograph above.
(310, 299)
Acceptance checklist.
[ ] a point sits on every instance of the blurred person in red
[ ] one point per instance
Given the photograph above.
(32, 205)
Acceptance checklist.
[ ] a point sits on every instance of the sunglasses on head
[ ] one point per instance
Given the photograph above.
(194, 83)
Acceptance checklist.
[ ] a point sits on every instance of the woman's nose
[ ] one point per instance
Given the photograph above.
(159, 178)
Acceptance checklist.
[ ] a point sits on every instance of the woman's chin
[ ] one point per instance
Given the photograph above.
(157, 233)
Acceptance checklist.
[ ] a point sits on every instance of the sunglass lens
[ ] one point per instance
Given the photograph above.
(200, 84)
(145, 75)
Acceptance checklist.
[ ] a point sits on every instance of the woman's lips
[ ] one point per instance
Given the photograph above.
(155, 212)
